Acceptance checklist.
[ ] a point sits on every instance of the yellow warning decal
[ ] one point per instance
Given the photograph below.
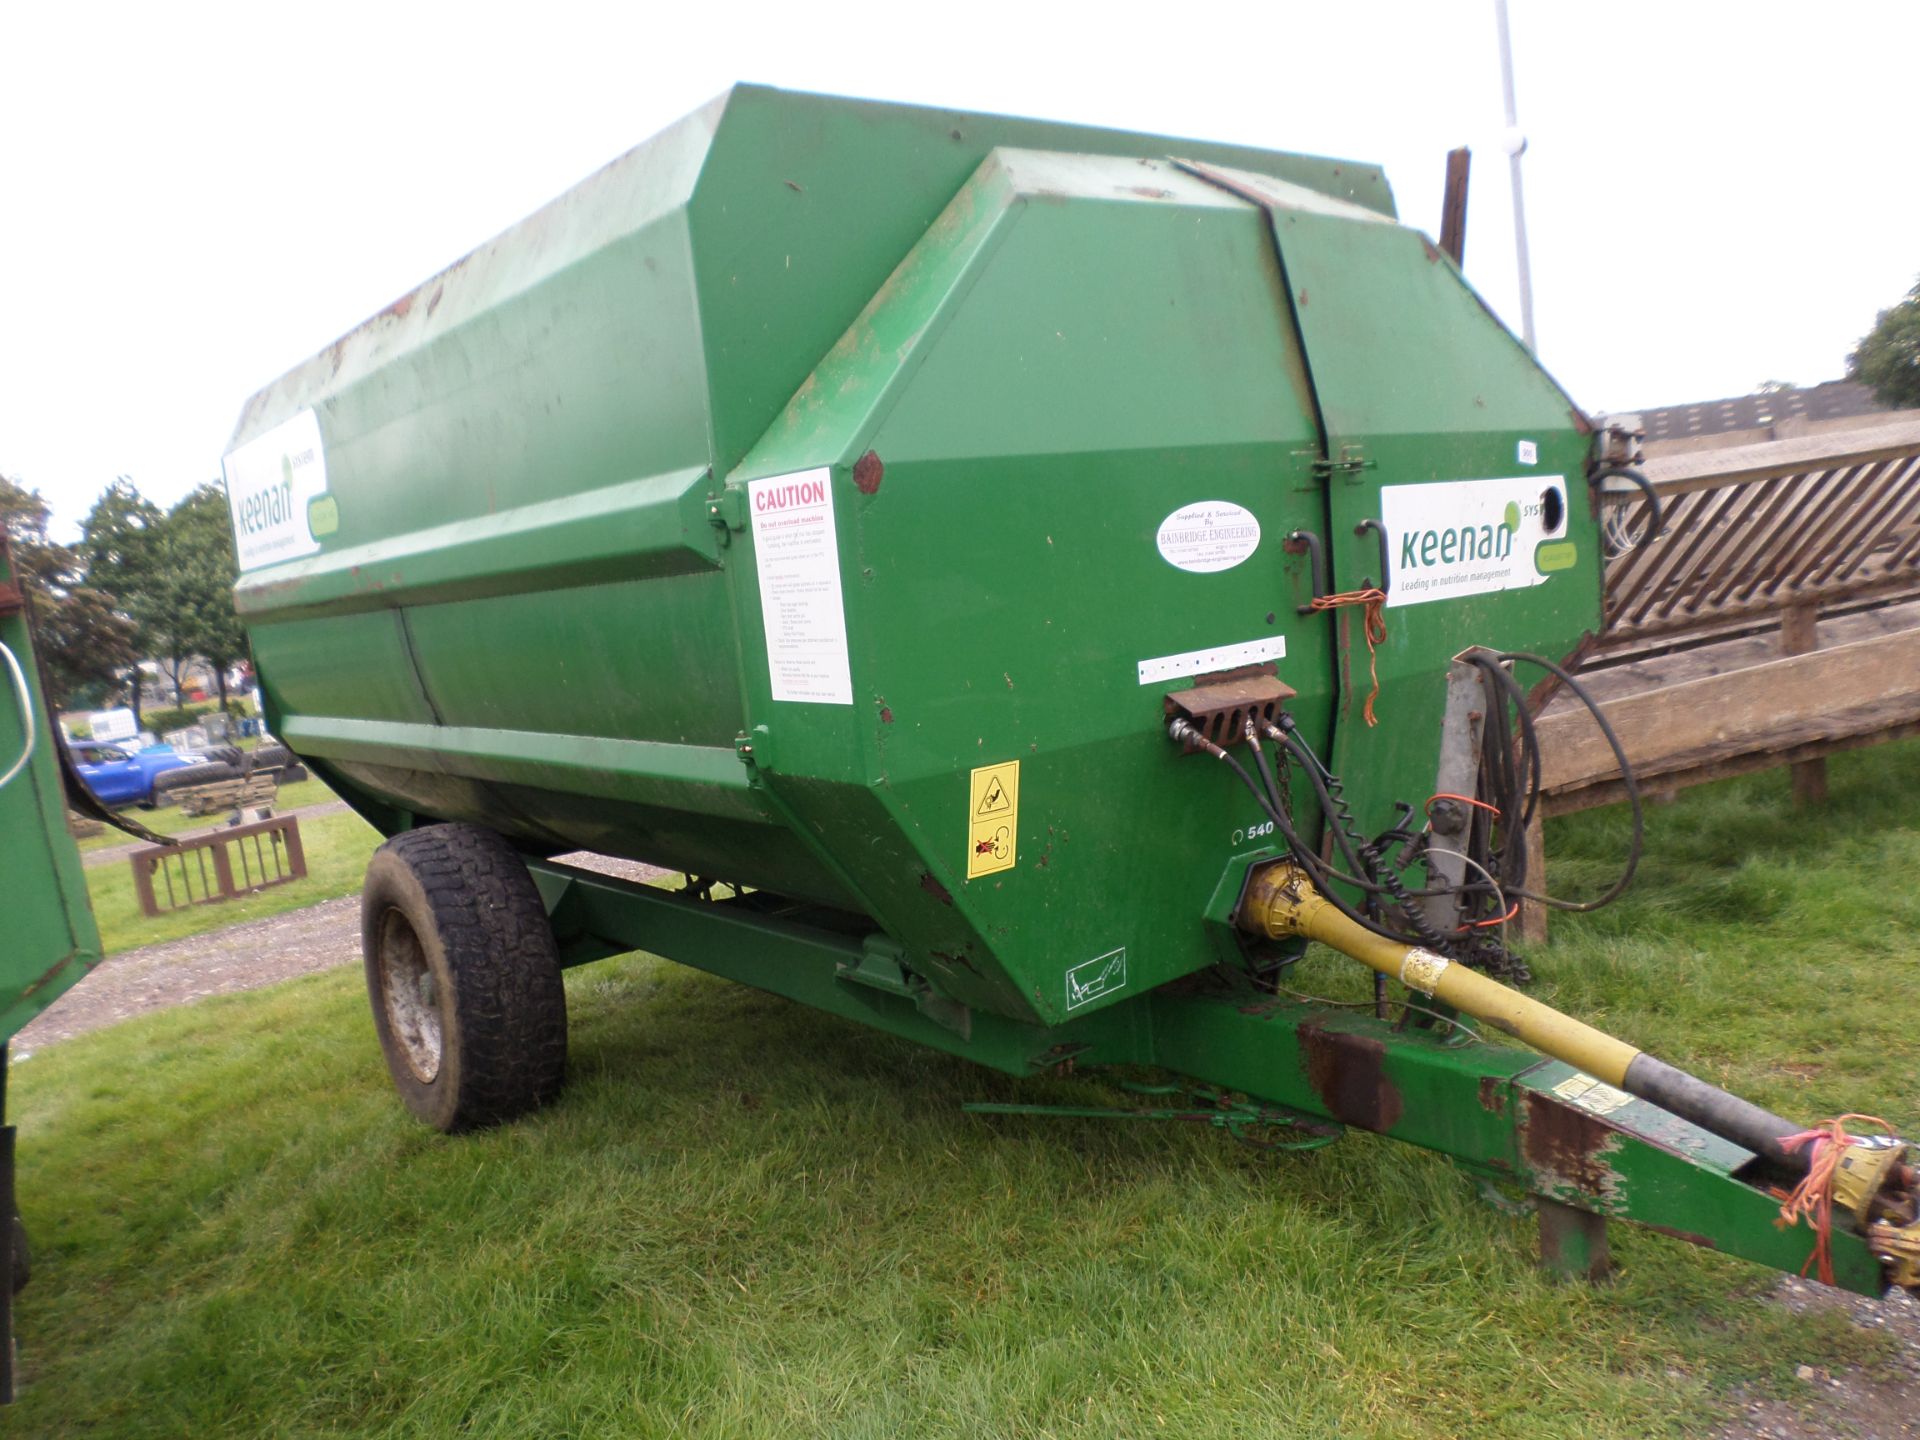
(993, 818)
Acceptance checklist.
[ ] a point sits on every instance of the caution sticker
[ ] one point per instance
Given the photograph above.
(993, 818)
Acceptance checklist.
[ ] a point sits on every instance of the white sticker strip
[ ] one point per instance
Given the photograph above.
(797, 554)
(1221, 657)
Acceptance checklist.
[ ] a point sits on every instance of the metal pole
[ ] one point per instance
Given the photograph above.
(1516, 146)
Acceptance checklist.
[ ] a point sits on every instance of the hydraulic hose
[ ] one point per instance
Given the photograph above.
(1656, 512)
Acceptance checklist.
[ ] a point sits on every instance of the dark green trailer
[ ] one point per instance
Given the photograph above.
(51, 941)
(925, 531)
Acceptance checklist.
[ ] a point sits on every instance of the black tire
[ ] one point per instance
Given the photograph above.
(463, 976)
(180, 779)
(293, 774)
(227, 755)
(268, 757)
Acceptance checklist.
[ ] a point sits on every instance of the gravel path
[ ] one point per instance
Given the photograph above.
(1852, 1403)
(239, 957)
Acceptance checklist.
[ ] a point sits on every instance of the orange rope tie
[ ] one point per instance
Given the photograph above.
(1375, 631)
(1812, 1198)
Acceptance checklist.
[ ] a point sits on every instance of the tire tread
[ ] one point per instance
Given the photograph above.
(509, 1001)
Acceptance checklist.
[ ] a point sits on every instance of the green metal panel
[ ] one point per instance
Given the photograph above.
(806, 206)
(1417, 383)
(523, 613)
(51, 940)
(533, 595)
(1078, 347)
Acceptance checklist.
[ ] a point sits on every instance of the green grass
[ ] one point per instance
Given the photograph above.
(748, 1219)
(337, 849)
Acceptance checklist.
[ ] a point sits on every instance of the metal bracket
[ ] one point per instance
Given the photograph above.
(881, 966)
(727, 512)
(1457, 774)
(1350, 462)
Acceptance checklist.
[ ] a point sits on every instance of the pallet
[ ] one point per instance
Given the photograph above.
(251, 792)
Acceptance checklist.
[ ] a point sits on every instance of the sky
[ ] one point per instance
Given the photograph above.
(198, 196)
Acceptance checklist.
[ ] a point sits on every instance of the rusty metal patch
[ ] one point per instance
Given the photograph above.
(1493, 1094)
(1568, 1146)
(868, 471)
(1348, 1073)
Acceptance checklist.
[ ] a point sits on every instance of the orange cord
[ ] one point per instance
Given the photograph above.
(1812, 1198)
(1496, 920)
(1427, 809)
(1375, 631)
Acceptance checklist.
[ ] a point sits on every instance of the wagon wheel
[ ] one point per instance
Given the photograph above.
(464, 977)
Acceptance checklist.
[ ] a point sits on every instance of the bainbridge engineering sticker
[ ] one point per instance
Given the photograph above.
(1473, 537)
(1208, 536)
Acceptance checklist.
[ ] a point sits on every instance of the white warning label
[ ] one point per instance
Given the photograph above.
(797, 553)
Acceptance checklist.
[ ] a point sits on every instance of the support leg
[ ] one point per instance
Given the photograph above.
(1573, 1242)
(1798, 637)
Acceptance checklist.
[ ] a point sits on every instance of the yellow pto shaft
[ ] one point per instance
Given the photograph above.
(1872, 1185)
(1281, 902)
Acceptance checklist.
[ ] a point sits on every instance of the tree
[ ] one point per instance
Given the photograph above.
(120, 542)
(198, 537)
(1887, 359)
(79, 638)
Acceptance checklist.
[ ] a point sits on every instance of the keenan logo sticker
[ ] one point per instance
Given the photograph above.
(277, 490)
(1473, 537)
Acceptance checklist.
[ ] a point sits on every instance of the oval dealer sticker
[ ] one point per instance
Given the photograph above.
(1208, 536)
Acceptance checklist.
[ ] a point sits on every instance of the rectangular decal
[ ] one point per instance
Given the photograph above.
(1589, 1094)
(1472, 537)
(993, 818)
(797, 553)
(1089, 980)
(1220, 657)
(274, 482)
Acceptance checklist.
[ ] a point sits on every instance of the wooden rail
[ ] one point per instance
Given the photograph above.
(1784, 538)
(1752, 532)
(1752, 718)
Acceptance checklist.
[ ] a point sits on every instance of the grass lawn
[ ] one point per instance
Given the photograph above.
(748, 1219)
(337, 849)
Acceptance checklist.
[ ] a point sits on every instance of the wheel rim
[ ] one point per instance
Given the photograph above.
(411, 996)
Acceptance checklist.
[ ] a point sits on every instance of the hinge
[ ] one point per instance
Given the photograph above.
(1351, 461)
(727, 512)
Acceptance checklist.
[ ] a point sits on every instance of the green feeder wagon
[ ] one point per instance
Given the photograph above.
(1031, 580)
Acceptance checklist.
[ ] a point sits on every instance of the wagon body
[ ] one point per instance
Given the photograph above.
(826, 496)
